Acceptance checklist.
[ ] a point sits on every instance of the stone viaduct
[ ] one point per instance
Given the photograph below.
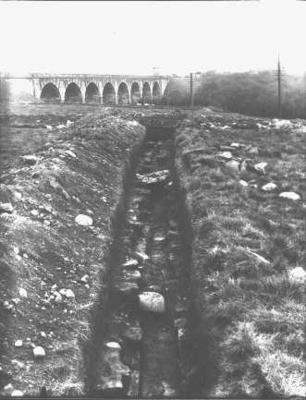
(102, 89)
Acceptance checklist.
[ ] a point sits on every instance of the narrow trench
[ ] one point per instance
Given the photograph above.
(146, 343)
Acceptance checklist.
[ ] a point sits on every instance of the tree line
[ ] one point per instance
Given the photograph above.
(251, 93)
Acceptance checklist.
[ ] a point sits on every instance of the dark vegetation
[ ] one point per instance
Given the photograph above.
(248, 93)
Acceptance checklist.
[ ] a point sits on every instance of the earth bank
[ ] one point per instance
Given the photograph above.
(51, 256)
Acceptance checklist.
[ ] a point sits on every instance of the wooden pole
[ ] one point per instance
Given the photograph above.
(191, 95)
(279, 89)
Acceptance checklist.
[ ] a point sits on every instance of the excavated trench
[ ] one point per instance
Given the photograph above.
(144, 327)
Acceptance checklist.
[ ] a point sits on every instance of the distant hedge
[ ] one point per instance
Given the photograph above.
(251, 93)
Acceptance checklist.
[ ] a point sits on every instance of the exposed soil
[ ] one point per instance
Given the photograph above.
(70, 170)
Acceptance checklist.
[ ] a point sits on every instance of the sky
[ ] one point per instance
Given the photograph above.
(140, 37)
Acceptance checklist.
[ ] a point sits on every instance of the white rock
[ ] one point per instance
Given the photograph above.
(43, 334)
(132, 262)
(235, 145)
(283, 123)
(226, 155)
(8, 388)
(253, 150)
(261, 167)
(67, 293)
(269, 187)
(16, 249)
(6, 207)
(61, 126)
(35, 213)
(297, 274)
(49, 127)
(233, 165)
(19, 343)
(16, 393)
(39, 352)
(169, 391)
(290, 195)
(18, 195)
(243, 183)
(133, 123)
(113, 346)
(18, 363)
(58, 297)
(30, 159)
(152, 301)
(70, 153)
(23, 293)
(69, 123)
(85, 278)
(84, 220)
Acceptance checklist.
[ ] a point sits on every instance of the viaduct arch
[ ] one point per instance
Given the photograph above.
(99, 89)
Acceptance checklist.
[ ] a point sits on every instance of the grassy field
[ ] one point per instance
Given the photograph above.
(249, 250)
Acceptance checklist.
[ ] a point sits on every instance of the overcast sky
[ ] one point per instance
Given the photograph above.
(133, 37)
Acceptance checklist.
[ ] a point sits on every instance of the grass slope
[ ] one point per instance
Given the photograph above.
(248, 247)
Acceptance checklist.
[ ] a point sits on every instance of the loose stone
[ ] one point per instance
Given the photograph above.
(269, 187)
(233, 165)
(261, 167)
(6, 207)
(130, 263)
(243, 183)
(84, 220)
(19, 343)
(39, 352)
(152, 301)
(16, 393)
(23, 293)
(290, 196)
(67, 293)
(226, 155)
(297, 274)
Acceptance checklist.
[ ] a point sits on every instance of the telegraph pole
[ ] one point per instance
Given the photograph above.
(279, 88)
(191, 95)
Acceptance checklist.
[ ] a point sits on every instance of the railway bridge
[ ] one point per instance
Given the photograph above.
(101, 89)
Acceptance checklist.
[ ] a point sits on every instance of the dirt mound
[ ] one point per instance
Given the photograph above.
(55, 209)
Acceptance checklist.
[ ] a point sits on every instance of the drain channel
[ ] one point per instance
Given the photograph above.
(149, 348)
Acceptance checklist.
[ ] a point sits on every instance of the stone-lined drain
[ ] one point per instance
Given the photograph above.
(148, 347)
